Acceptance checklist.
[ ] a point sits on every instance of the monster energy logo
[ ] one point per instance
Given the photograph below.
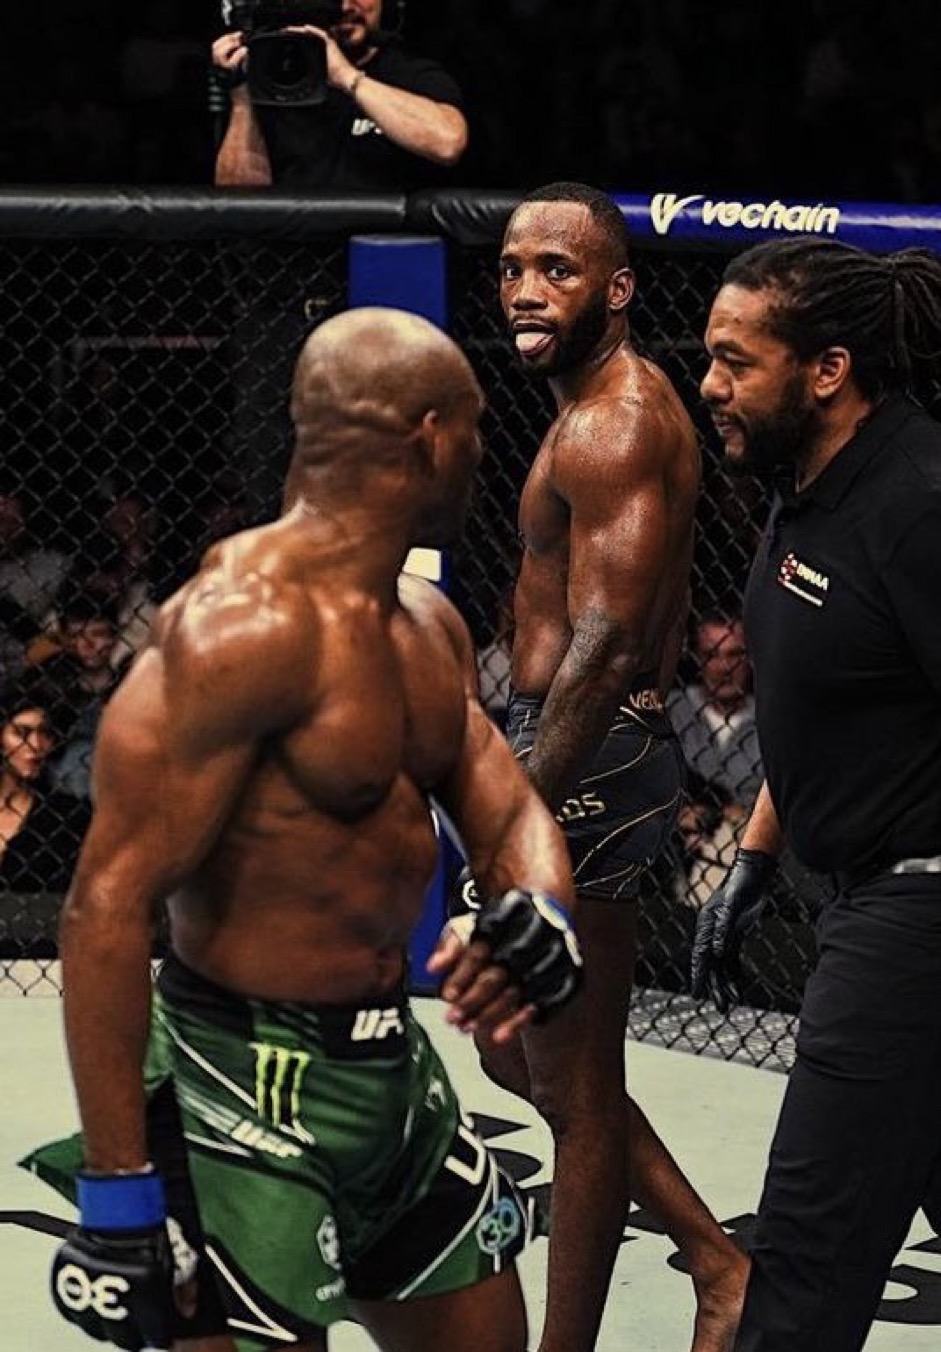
(279, 1073)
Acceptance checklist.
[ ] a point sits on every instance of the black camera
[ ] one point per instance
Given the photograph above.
(284, 68)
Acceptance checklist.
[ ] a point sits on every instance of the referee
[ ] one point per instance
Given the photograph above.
(818, 351)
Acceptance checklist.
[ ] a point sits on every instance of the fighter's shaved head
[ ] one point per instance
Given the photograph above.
(386, 410)
(376, 369)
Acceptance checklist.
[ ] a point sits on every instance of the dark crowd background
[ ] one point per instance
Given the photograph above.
(813, 99)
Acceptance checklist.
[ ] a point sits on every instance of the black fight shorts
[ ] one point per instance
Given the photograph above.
(625, 808)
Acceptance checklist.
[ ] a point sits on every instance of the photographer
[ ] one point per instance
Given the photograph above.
(383, 119)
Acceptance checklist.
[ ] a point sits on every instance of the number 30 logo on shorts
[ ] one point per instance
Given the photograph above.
(78, 1292)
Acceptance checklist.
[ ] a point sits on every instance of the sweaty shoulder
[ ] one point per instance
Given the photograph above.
(636, 422)
(238, 645)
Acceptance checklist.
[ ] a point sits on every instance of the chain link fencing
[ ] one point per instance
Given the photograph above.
(144, 371)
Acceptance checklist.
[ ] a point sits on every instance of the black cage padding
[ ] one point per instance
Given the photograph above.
(192, 214)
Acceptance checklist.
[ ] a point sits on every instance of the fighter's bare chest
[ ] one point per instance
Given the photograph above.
(393, 707)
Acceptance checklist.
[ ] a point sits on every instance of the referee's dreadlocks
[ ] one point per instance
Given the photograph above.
(886, 311)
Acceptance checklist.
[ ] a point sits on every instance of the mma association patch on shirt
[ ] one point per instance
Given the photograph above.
(803, 580)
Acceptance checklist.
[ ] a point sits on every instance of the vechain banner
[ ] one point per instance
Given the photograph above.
(702, 218)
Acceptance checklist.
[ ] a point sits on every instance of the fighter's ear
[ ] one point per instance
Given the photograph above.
(832, 369)
(426, 438)
(620, 289)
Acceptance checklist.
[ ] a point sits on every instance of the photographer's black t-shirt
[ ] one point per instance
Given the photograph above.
(335, 145)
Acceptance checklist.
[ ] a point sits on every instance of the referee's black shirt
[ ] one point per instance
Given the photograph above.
(843, 624)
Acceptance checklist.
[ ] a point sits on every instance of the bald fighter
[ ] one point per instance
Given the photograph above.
(267, 770)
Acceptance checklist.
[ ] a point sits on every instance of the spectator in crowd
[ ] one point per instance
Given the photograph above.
(111, 573)
(637, 92)
(129, 516)
(83, 672)
(641, 120)
(714, 716)
(40, 830)
(841, 62)
(30, 572)
(17, 633)
(30, 575)
(850, 72)
(71, 769)
(125, 576)
(217, 508)
(87, 671)
(388, 121)
(709, 825)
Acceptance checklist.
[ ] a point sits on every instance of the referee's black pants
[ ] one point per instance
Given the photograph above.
(859, 1134)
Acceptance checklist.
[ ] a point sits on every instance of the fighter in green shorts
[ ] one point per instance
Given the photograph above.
(267, 772)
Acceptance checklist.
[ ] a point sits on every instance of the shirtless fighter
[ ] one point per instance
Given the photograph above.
(267, 769)
(606, 518)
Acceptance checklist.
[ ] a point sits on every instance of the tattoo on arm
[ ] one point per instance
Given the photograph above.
(580, 706)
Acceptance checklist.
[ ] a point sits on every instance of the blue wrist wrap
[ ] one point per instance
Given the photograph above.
(121, 1201)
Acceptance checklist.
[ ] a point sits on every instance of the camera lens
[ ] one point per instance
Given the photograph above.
(289, 61)
(287, 68)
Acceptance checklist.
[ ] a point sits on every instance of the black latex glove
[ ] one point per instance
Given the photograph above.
(722, 924)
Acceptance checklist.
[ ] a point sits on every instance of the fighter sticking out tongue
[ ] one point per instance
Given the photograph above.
(531, 341)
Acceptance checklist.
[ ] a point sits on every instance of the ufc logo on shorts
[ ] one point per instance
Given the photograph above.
(79, 1292)
(375, 1023)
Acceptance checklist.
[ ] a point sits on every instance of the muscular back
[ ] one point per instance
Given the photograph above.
(293, 719)
(606, 518)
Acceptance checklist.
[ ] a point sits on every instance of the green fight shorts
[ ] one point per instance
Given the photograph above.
(329, 1156)
(326, 1153)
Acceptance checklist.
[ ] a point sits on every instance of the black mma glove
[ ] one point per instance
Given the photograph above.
(722, 924)
(530, 934)
(114, 1274)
